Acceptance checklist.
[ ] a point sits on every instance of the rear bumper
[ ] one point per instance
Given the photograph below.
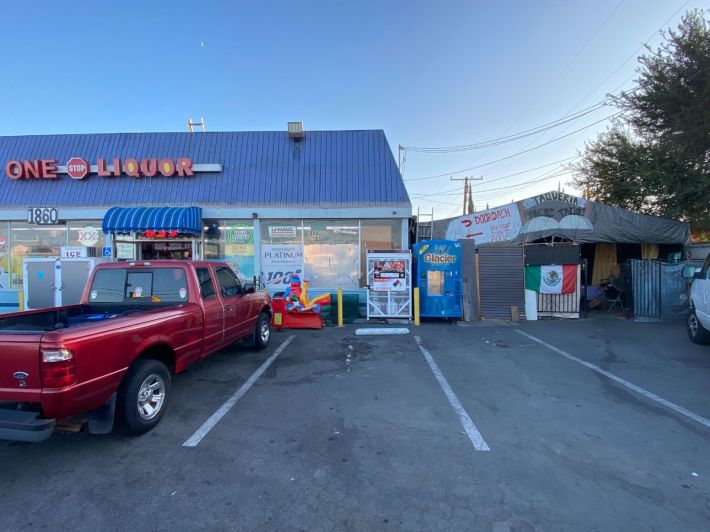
(21, 425)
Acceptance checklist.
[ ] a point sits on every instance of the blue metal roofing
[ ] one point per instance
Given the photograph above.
(259, 168)
(187, 220)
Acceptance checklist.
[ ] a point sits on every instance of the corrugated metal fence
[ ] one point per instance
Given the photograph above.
(658, 290)
(501, 281)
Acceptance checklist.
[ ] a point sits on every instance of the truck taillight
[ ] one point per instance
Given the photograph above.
(57, 368)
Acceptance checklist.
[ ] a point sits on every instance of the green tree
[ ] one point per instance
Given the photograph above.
(655, 158)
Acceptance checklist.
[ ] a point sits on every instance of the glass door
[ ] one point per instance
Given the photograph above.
(166, 250)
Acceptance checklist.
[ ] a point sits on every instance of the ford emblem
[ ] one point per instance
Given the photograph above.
(20, 375)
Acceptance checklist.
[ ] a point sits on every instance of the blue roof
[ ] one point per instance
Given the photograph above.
(186, 220)
(259, 168)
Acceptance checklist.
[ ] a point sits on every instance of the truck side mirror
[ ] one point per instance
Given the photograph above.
(249, 288)
(690, 271)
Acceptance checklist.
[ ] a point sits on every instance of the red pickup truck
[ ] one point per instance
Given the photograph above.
(138, 322)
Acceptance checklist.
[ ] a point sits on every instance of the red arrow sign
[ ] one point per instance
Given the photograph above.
(467, 223)
(471, 235)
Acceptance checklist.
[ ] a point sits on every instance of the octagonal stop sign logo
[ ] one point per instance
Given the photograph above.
(77, 168)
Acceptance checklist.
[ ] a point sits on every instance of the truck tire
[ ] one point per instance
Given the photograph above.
(262, 332)
(696, 332)
(143, 396)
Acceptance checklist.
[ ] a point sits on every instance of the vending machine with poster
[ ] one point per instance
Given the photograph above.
(437, 273)
(389, 284)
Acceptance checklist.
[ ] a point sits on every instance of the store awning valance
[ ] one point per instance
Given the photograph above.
(185, 220)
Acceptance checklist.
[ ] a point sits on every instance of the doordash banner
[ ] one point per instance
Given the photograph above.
(494, 225)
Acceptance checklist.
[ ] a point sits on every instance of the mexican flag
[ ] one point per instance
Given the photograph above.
(551, 279)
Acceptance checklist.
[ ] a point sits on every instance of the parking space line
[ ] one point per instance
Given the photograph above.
(631, 386)
(469, 426)
(215, 418)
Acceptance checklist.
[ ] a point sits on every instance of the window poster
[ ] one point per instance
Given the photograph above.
(239, 249)
(279, 262)
(389, 275)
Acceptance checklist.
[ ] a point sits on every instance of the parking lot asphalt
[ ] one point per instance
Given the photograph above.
(346, 432)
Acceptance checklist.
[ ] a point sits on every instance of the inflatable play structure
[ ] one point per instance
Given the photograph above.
(295, 310)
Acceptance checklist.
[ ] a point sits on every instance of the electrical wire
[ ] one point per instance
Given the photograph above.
(566, 67)
(511, 138)
(545, 127)
(481, 194)
(517, 153)
(632, 56)
(458, 191)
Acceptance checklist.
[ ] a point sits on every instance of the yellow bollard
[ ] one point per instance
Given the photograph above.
(416, 305)
(340, 307)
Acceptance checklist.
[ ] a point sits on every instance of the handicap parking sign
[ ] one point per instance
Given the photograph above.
(107, 251)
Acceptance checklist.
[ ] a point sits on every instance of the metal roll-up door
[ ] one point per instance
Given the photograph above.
(501, 279)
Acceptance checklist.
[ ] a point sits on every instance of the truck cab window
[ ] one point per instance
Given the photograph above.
(228, 283)
(145, 285)
(206, 286)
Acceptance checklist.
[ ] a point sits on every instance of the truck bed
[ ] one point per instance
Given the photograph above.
(53, 319)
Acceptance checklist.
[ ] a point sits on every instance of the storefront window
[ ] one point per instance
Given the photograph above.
(34, 241)
(231, 241)
(281, 252)
(331, 253)
(87, 235)
(378, 234)
(4, 261)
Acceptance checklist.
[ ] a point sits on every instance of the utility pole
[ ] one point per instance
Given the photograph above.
(467, 193)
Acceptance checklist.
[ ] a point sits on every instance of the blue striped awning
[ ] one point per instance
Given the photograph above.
(185, 220)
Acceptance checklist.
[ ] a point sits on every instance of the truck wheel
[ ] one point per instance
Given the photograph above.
(262, 332)
(143, 396)
(696, 332)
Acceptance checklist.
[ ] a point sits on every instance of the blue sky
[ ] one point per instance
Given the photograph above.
(428, 73)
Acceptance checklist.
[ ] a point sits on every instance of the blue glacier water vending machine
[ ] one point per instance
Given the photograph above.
(437, 267)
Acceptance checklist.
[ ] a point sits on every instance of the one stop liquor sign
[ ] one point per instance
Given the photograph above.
(77, 168)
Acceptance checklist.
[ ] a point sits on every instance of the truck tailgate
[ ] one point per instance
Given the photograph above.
(20, 368)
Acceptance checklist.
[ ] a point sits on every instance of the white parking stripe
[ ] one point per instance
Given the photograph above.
(631, 386)
(208, 425)
(468, 425)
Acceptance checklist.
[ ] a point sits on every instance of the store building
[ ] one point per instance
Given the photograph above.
(268, 202)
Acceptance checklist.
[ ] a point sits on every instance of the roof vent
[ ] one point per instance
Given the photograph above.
(295, 130)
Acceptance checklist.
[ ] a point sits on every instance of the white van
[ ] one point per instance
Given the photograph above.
(699, 316)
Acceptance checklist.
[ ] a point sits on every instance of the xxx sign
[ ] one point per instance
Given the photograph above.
(88, 236)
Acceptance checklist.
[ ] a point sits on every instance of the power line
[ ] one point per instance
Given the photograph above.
(636, 86)
(532, 169)
(485, 193)
(457, 191)
(510, 138)
(505, 190)
(495, 192)
(518, 153)
(566, 67)
(634, 54)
